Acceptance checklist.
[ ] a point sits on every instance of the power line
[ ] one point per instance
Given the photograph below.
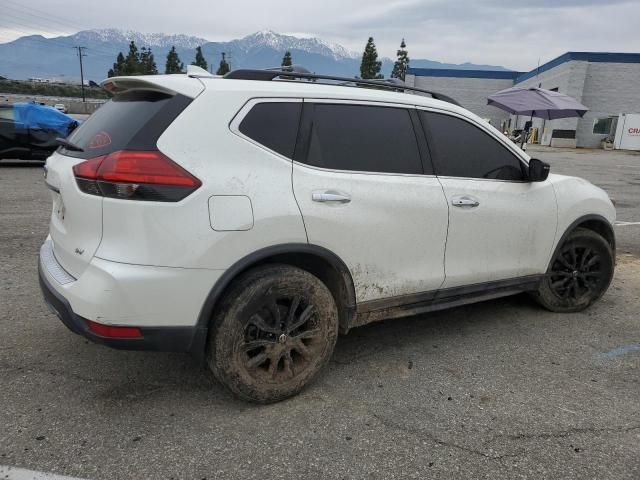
(54, 42)
(48, 17)
(49, 43)
(19, 19)
(16, 14)
(63, 40)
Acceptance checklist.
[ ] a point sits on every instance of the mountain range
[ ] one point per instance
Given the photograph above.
(56, 58)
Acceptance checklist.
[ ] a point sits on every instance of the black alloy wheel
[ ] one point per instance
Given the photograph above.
(580, 273)
(273, 332)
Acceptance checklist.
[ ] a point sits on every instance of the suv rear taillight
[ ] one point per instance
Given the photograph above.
(135, 175)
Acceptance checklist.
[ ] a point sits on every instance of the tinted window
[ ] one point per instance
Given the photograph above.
(363, 138)
(460, 149)
(274, 125)
(133, 120)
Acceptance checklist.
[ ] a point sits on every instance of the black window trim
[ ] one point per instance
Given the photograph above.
(304, 136)
(510, 148)
(234, 123)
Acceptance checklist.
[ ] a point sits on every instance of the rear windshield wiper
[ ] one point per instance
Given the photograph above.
(69, 145)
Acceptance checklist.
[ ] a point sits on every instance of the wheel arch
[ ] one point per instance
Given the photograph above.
(319, 261)
(593, 222)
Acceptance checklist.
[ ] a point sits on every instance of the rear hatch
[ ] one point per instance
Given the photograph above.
(132, 122)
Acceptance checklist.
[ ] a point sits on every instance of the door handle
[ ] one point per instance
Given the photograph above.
(464, 201)
(330, 196)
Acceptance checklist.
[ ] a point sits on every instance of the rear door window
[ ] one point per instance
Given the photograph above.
(274, 125)
(131, 120)
(363, 138)
(460, 149)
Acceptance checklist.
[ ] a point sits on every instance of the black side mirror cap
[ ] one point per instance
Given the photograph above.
(538, 170)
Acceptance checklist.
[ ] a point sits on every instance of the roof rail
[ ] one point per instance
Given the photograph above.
(298, 72)
(291, 68)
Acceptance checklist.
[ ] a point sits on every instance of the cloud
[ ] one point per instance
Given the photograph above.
(513, 34)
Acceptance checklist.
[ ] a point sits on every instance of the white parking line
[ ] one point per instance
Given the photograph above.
(624, 224)
(14, 473)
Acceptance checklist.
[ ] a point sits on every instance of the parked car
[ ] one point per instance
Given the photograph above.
(28, 131)
(61, 107)
(249, 220)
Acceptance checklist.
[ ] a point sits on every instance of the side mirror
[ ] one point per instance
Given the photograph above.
(538, 170)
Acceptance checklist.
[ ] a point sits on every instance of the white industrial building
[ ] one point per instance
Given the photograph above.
(607, 83)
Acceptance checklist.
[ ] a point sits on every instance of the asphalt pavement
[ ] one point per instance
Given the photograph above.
(497, 390)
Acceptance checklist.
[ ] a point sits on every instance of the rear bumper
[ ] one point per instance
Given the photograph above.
(162, 339)
(108, 294)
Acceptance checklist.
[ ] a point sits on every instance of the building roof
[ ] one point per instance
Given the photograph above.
(517, 77)
(602, 57)
(460, 73)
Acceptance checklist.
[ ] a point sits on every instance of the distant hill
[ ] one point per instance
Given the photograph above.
(54, 58)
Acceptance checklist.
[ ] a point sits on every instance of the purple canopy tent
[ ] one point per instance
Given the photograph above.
(537, 102)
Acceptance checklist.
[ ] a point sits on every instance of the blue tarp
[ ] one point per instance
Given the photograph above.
(35, 116)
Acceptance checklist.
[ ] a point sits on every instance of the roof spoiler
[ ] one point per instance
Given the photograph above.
(169, 84)
(194, 71)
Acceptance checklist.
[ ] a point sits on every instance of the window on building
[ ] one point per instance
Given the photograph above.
(274, 125)
(363, 138)
(602, 126)
(460, 149)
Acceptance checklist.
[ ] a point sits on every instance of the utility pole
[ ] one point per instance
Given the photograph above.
(80, 55)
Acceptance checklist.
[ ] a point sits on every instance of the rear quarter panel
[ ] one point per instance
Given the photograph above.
(180, 234)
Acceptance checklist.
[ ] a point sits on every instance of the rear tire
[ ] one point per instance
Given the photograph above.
(273, 332)
(579, 274)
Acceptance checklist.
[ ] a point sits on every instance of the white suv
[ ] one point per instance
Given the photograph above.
(248, 219)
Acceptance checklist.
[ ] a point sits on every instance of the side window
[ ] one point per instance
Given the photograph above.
(460, 149)
(274, 125)
(363, 138)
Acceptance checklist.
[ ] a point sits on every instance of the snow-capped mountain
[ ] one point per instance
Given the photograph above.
(37, 56)
(271, 39)
(115, 36)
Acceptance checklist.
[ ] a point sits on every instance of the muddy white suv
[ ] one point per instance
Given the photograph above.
(248, 219)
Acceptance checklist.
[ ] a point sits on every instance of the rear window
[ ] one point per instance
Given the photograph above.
(131, 120)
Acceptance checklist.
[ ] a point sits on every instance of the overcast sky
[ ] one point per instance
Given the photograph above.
(513, 34)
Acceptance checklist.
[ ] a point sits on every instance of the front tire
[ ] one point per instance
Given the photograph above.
(579, 274)
(274, 331)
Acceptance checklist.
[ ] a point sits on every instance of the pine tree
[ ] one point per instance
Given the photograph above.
(402, 63)
(199, 60)
(286, 60)
(118, 67)
(173, 64)
(370, 66)
(132, 61)
(147, 62)
(224, 66)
